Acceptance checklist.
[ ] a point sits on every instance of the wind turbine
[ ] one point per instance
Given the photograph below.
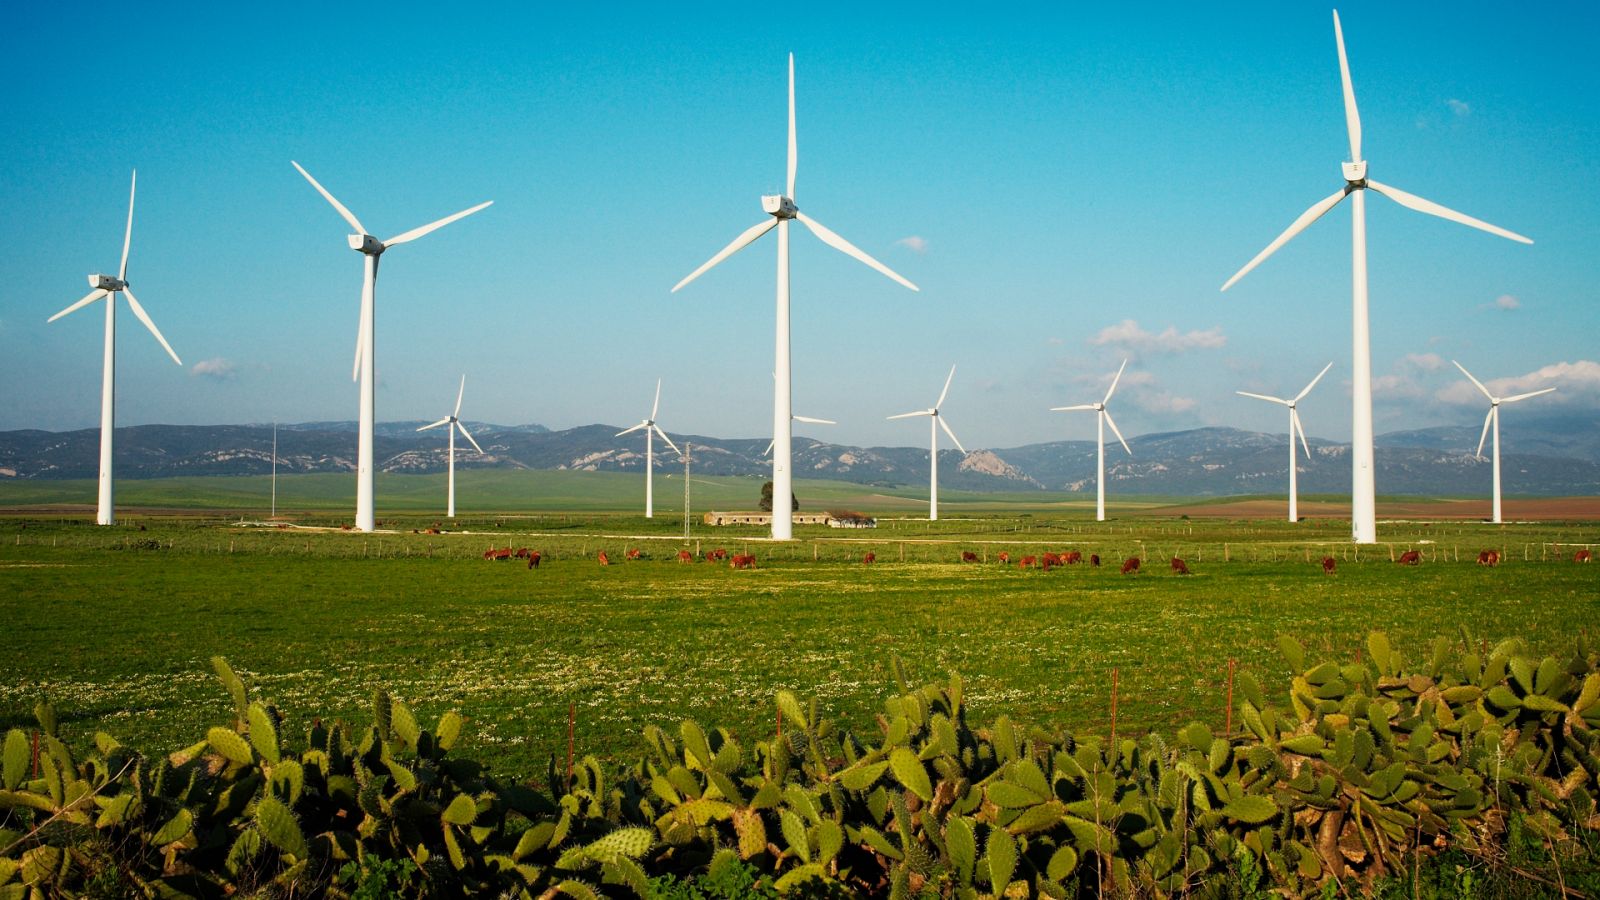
(1363, 501)
(806, 419)
(453, 421)
(1493, 418)
(106, 287)
(1103, 418)
(1294, 427)
(934, 419)
(782, 209)
(650, 430)
(371, 248)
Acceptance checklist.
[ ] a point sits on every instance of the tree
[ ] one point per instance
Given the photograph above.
(766, 499)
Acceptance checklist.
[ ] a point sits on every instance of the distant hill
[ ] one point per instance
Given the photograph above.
(1550, 457)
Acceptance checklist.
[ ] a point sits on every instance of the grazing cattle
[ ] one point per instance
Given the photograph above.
(1581, 556)
(492, 553)
(1179, 566)
(968, 556)
(1026, 562)
(1327, 565)
(1130, 565)
(1094, 559)
(720, 554)
(1410, 558)
(345, 527)
(685, 556)
(1489, 558)
(1004, 557)
(743, 561)
(522, 553)
(870, 558)
(533, 559)
(604, 559)
(1050, 559)
(633, 553)
(1072, 557)
(433, 530)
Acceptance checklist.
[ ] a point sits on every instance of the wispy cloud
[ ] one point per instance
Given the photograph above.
(216, 369)
(1426, 362)
(1576, 384)
(1134, 340)
(1504, 301)
(1460, 108)
(915, 243)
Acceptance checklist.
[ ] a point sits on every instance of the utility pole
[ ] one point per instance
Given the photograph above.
(686, 490)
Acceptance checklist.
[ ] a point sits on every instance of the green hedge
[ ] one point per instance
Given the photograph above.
(1338, 785)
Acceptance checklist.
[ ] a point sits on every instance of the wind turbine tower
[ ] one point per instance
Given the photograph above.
(1493, 419)
(1102, 419)
(935, 422)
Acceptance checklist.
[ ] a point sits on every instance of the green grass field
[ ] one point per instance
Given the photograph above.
(116, 625)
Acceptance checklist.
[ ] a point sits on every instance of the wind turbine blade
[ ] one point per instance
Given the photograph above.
(946, 426)
(794, 146)
(770, 444)
(415, 233)
(1113, 423)
(1302, 395)
(811, 421)
(909, 415)
(1513, 399)
(844, 246)
(1352, 119)
(88, 298)
(1085, 406)
(443, 421)
(667, 439)
(946, 390)
(347, 214)
(633, 429)
(1263, 397)
(656, 407)
(461, 392)
(144, 317)
(127, 236)
(468, 435)
(1113, 388)
(1412, 201)
(1485, 436)
(1474, 380)
(1298, 225)
(738, 244)
(1294, 415)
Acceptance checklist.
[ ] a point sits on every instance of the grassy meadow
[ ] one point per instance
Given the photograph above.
(116, 625)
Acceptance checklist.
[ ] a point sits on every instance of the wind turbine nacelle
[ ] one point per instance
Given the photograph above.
(1354, 172)
(779, 205)
(106, 283)
(365, 243)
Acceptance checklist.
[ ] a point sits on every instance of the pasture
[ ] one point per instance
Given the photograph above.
(116, 625)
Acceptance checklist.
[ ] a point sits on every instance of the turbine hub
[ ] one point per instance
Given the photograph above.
(1355, 172)
(780, 206)
(365, 243)
(106, 283)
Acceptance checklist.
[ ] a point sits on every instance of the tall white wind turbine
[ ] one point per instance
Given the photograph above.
(1363, 501)
(782, 209)
(1493, 418)
(1294, 428)
(650, 430)
(935, 419)
(1102, 418)
(364, 369)
(453, 423)
(107, 287)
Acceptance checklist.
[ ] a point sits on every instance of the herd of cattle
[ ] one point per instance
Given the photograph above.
(1045, 561)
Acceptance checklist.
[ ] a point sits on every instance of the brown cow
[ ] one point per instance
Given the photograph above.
(533, 559)
(1581, 556)
(870, 558)
(1004, 557)
(1179, 566)
(1072, 557)
(719, 554)
(502, 554)
(633, 553)
(1489, 558)
(685, 556)
(1094, 559)
(968, 556)
(1130, 565)
(522, 553)
(1410, 558)
(1027, 562)
(1050, 559)
(1327, 565)
(604, 559)
(743, 561)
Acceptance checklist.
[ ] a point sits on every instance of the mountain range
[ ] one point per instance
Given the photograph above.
(1550, 457)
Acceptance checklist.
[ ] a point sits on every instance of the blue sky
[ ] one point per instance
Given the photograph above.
(1068, 187)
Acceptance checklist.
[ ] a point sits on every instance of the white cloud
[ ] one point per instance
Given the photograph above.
(1054, 341)
(915, 243)
(1506, 301)
(1163, 402)
(1575, 383)
(1460, 107)
(1426, 362)
(216, 368)
(1129, 336)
